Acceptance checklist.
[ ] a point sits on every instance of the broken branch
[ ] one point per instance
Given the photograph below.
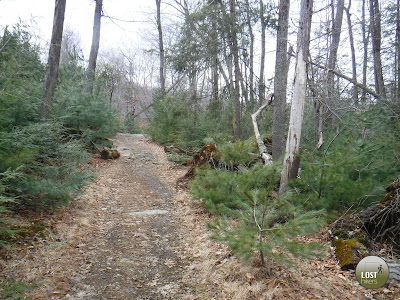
(267, 158)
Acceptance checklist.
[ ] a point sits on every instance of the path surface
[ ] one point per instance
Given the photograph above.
(137, 252)
(132, 235)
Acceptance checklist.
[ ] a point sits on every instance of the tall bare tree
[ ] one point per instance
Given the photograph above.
(235, 53)
(280, 82)
(365, 37)
(161, 46)
(333, 51)
(94, 50)
(291, 160)
(53, 59)
(261, 85)
(353, 52)
(70, 46)
(251, 54)
(397, 71)
(376, 36)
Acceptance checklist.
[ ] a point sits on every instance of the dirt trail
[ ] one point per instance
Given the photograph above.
(132, 235)
(137, 252)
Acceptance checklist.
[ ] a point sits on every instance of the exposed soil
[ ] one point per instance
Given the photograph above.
(133, 235)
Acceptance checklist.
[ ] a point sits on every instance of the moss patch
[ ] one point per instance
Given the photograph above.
(349, 252)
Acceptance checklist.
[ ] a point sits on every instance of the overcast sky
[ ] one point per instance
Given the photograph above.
(79, 18)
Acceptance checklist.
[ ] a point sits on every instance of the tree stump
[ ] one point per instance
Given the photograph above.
(201, 157)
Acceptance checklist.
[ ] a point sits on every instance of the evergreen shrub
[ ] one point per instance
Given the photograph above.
(50, 162)
(176, 122)
(89, 116)
(250, 216)
(21, 74)
(354, 165)
(7, 198)
(238, 153)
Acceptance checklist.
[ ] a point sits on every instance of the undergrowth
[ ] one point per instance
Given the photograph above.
(250, 216)
(43, 164)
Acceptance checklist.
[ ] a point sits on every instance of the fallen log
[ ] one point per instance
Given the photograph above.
(350, 241)
(394, 271)
(354, 237)
(107, 153)
(174, 149)
(381, 221)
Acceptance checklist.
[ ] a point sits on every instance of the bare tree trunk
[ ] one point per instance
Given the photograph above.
(53, 60)
(375, 17)
(261, 85)
(251, 55)
(353, 53)
(235, 52)
(228, 81)
(365, 35)
(336, 31)
(280, 82)
(397, 71)
(161, 46)
(292, 161)
(95, 45)
(243, 86)
(214, 61)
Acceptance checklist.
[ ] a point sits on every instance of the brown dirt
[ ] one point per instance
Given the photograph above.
(133, 235)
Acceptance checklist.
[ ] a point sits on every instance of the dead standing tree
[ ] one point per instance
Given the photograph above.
(291, 160)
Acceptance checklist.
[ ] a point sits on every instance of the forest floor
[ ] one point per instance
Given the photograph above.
(133, 234)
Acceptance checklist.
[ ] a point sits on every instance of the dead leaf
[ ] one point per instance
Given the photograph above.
(271, 285)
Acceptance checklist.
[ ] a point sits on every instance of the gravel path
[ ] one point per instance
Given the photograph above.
(137, 252)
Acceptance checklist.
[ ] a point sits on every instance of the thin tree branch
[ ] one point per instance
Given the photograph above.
(341, 75)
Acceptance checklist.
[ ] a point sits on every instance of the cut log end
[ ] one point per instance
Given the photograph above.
(109, 153)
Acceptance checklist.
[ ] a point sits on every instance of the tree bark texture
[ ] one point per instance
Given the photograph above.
(333, 50)
(53, 60)
(251, 54)
(94, 50)
(353, 53)
(375, 17)
(235, 53)
(261, 85)
(365, 35)
(161, 46)
(214, 60)
(291, 160)
(280, 81)
(397, 64)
